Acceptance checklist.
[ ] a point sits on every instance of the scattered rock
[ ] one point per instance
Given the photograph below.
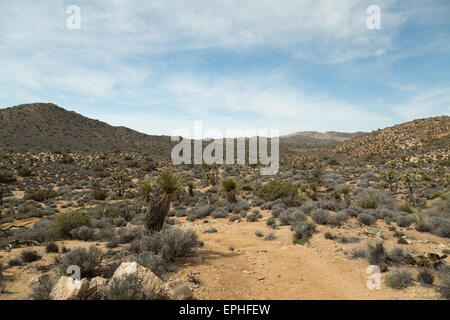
(177, 290)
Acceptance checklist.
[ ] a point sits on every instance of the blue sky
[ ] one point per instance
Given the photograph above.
(290, 65)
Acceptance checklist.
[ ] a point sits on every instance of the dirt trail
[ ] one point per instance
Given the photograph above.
(258, 269)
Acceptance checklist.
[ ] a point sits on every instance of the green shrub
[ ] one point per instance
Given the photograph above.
(425, 276)
(6, 176)
(66, 222)
(406, 207)
(399, 279)
(39, 194)
(367, 203)
(277, 190)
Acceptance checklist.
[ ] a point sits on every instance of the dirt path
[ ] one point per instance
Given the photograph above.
(258, 269)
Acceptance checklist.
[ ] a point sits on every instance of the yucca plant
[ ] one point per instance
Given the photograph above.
(190, 186)
(169, 184)
(145, 190)
(229, 185)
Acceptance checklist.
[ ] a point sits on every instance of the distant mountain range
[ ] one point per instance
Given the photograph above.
(47, 127)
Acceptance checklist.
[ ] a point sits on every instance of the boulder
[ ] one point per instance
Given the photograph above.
(177, 290)
(174, 289)
(152, 285)
(96, 287)
(67, 288)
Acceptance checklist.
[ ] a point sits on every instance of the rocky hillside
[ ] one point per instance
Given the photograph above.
(47, 127)
(422, 138)
(315, 139)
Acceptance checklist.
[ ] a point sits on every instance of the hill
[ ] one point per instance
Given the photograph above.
(421, 138)
(47, 127)
(317, 139)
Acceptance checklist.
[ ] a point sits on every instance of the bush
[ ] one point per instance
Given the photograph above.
(6, 176)
(88, 261)
(39, 195)
(304, 230)
(406, 207)
(259, 233)
(29, 256)
(170, 243)
(84, 233)
(14, 262)
(367, 203)
(366, 219)
(51, 247)
(399, 279)
(320, 216)
(64, 223)
(404, 221)
(358, 253)
(127, 287)
(444, 286)
(153, 261)
(99, 194)
(270, 237)
(277, 190)
(376, 254)
(342, 216)
(41, 291)
(219, 213)
(252, 217)
(425, 276)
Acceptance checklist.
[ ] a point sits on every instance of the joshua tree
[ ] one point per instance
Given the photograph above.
(122, 182)
(145, 190)
(411, 181)
(169, 184)
(229, 186)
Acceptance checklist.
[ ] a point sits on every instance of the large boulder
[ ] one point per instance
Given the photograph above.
(153, 286)
(69, 289)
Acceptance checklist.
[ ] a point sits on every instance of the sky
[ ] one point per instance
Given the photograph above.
(157, 66)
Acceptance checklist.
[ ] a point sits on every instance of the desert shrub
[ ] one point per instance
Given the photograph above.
(39, 232)
(441, 226)
(51, 247)
(66, 222)
(444, 286)
(376, 253)
(219, 213)
(252, 217)
(353, 211)
(99, 194)
(6, 176)
(271, 221)
(424, 227)
(103, 223)
(154, 261)
(14, 262)
(342, 216)
(406, 207)
(199, 212)
(270, 237)
(84, 233)
(29, 256)
(404, 221)
(259, 233)
(234, 217)
(304, 230)
(367, 203)
(359, 253)
(105, 234)
(170, 243)
(120, 222)
(308, 207)
(425, 276)
(320, 216)
(347, 239)
(366, 219)
(211, 230)
(127, 287)
(128, 235)
(88, 261)
(399, 279)
(39, 194)
(41, 291)
(291, 216)
(277, 190)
